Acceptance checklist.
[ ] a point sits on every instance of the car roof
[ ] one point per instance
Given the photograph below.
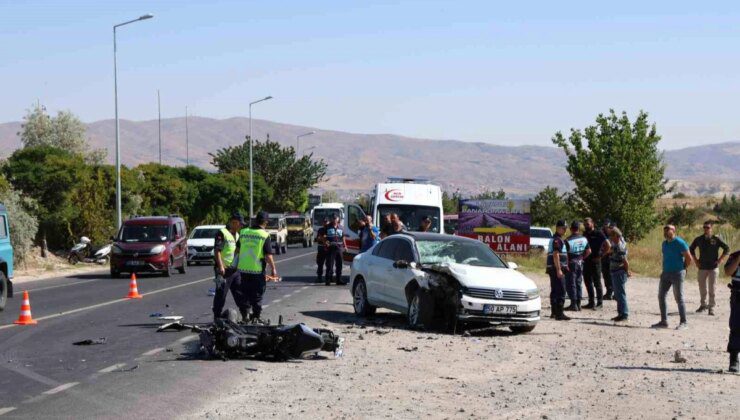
(157, 220)
(209, 227)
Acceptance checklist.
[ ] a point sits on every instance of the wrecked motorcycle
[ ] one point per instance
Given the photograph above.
(84, 252)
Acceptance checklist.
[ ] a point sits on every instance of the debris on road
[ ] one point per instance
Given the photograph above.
(155, 315)
(678, 358)
(212, 292)
(408, 349)
(90, 342)
(171, 318)
(177, 326)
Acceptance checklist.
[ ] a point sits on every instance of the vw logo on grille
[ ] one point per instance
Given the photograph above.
(203, 248)
(498, 293)
(136, 254)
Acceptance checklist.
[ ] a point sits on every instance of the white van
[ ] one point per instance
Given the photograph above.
(412, 199)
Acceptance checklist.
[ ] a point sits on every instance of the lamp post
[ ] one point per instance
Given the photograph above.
(187, 140)
(115, 95)
(298, 139)
(159, 125)
(251, 169)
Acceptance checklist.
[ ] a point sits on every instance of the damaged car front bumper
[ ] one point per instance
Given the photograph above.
(499, 312)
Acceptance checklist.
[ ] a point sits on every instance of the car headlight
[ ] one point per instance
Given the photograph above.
(157, 249)
(533, 293)
(116, 250)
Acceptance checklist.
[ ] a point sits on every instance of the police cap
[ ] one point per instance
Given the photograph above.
(561, 223)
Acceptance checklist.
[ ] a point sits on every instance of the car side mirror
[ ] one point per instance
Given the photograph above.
(401, 264)
(513, 265)
(113, 238)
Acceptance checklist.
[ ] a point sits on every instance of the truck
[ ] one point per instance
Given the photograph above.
(6, 259)
(299, 230)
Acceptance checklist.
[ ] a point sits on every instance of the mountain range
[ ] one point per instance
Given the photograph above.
(357, 161)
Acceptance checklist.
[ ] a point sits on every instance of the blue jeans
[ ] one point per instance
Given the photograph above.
(573, 281)
(619, 283)
(675, 280)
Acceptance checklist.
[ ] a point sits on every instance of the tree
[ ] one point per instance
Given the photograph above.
(618, 172)
(729, 210)
(682, 215)
(329, 197)
(220, 195)
(548, 207)
(490, 195)
(289, 176)
(23, 225)
(450, 202)
(89, 198)
(64, 131)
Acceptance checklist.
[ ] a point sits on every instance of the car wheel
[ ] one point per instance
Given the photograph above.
(359, 300)
(3, 290)
(114, 274)
(168, 268)
(305, 243)
(421, 310)
(183, 268)
(521, 329)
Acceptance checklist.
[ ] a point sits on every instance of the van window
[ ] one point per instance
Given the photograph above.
(183, 231)
(354, 213)
(3, 228)
(411, 215)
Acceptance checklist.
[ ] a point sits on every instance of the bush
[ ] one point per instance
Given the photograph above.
(681, 215)
(679, 195)
(729, 210)
(23, 226)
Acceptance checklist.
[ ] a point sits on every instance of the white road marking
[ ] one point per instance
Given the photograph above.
(277, 301)
(110, 369)
(304, 287)
(60, 388)
(61, 285)
(188, 338)
(6, 410)
(152, 352)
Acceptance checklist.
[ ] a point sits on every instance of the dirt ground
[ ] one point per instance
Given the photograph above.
(585, 368)
(37, 267)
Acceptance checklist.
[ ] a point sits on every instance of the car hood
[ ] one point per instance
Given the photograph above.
(201, 242)
(485, 277)
(138, 246)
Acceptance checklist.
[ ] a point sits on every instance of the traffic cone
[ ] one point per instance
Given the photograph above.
(133, 291)
(25, 318)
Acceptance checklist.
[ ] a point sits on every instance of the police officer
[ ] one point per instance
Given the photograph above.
(334, 250)
(557, 265)
(253, 255)
(321, 250)
(732, 268)
(592, 263)
(223, 257)
(578, 249)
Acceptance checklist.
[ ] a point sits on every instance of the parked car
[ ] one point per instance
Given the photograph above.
(300, 230)
(539, 238)
(442, 279)
(6, 259)
(201, 242)
(277, 228)
(150, 244)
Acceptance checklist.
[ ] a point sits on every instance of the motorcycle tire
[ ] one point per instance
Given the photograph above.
(73, 259)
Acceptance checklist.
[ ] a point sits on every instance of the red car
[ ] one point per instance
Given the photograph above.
(150, 244)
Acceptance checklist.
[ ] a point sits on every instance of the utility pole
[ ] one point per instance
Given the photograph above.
(187, 140)
(159, 119)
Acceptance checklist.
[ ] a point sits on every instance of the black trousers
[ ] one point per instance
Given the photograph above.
(253, 288)
(607, 274)
(334, 263)
(231, 283)
(592, 278)
(557, 289)
(733, 344)
(320, 261)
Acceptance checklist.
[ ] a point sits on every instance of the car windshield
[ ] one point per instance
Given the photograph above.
(272, 223)
(411, 216)
(209, 233)
(460, 252)
(145, 233)
(294, 221)
(539, 233)
(320, 214)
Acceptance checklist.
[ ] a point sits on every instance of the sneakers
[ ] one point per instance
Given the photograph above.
(701, 309)
(682, 326)
(661, 324)
(711, 312)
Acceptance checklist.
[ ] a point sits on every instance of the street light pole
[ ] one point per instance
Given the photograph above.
(298, 139)
(187, 140)
(159, 131)
(118, 131)
(251, 169)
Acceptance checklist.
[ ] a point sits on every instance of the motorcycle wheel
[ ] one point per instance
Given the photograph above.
(73, 259)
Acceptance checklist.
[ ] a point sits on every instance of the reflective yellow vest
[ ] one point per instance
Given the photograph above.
(251, 250)
(227, 254)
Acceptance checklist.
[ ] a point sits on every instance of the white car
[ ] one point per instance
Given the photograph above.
(201, 242)
(438, 279)
(539, 238)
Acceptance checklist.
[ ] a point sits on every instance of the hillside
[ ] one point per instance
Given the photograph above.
(356, 161)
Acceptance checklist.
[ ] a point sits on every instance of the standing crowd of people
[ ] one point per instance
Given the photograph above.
(603, 254)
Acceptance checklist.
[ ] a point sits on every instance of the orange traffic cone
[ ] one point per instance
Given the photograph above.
(25, 318)
(133, 291)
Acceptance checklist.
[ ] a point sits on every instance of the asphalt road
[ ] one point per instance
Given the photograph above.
(137, 372)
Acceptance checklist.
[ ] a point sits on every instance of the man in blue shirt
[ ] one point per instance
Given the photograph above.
(369, 234)
(578, 249)
(676, 259)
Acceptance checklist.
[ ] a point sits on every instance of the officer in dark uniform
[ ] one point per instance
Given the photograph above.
(592, 264)
(557, 266)
(321, 251)
(732, 268)
(334, 251)
(223, 256)
(253, 255)
(578, 249)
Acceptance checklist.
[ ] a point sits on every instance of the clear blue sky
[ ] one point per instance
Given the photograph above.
(509, 73)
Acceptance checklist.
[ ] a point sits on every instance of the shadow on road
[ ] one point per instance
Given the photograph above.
(612, 324)
(659, 369)
(390, 320)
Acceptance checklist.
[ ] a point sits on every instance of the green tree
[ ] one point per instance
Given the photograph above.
(23, 225)
(220, 195)
(682, 215)
(64, 131)
(89, 199)
(329, 197)
(289, 176)
(729, 210)
(450, 203)
(490, 195)
(618, 172)
(548, 206)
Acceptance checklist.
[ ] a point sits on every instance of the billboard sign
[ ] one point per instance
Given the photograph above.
(502, 224)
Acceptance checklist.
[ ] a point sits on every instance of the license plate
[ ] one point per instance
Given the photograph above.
(499, 310)
(203, 254)
(135, 262)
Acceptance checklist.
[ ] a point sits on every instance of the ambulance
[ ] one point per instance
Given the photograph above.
(349, 216)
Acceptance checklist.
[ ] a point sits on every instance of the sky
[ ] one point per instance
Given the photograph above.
(509, 73)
